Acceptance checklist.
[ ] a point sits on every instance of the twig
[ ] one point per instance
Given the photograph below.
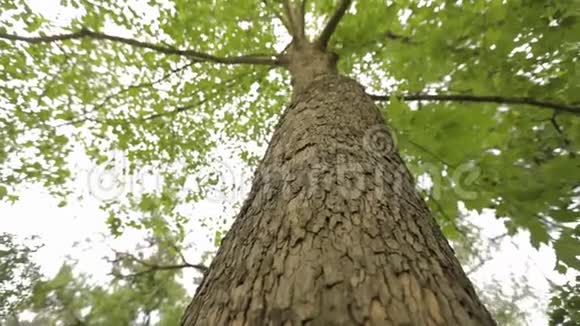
(302, 19)
(191, 106)
(483, 99)
(441, 210)
(111, 96)
(430, 153)
(396, 37)
(280, 18)
(160, 114)
(154, 267)
(178, 251)
(555, 123)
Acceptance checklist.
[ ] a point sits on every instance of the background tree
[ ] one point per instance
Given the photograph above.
(565, 304)
(84, 87)
(18, 274)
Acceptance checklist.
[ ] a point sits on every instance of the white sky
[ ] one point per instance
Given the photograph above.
(61, 229)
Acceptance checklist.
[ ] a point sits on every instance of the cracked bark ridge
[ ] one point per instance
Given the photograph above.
(333, 231)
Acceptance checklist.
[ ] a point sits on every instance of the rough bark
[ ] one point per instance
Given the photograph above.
(333, 231)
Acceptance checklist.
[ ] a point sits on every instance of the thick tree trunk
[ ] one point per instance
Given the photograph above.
(333, 231)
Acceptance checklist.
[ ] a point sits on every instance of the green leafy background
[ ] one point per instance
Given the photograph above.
(168, 115)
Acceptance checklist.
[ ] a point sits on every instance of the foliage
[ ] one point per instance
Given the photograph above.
(141, 291)
(565, 304)
(503, 297)
(145, 288)
(506, 308)
(18, 272)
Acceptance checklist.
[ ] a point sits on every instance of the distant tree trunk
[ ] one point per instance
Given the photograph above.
(333, 231)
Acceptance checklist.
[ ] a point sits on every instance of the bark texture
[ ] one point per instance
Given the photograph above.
(333, 231)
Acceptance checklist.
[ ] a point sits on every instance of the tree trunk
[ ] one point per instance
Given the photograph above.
(333, 231)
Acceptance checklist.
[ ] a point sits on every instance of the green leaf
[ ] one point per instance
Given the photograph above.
(148, 203)
(3, 191)
(567, 248)
(217, 239)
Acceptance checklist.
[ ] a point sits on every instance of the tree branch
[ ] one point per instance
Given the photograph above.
(155, 268)
(483, 99)
(290, 16)
(333, 23)
(176, 110)
(152, 267)
(280, 17)
(111, 96)
(227, 83)
(296, 17)
(302, 18)
(201, 56)
(430, 153)
(441, 210)
(396, 37)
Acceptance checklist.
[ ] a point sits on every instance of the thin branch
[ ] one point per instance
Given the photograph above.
(151, 268)
(494, 242)
(388, 34)
(178, 251)
(284, 22)
(289, 14)
(156, 268)
(483, 99)
(498, 238)
(559, 129)
(476, 267)
(224, 85)
(430, 153)
(176, 110)
(295, 15)
(88, 34)
(302, 19)
(280, 18)
(396, 37)
(333, 23)
(554, 123)
(441, 210)
(111, 96)
(152, 116)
